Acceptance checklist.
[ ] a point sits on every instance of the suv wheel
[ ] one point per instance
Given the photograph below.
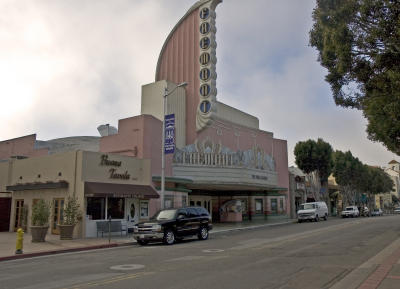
(169, 237)
(326, 217)
(142, 242)
(203, 233)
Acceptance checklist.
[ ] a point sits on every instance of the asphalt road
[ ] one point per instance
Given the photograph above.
(306, 255)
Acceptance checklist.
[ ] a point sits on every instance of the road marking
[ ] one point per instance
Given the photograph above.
(185, 258)
(127, 267)
(213, 251)
(111, 280)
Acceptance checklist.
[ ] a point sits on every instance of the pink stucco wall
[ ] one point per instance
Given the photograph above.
(179, 62)
(138, 136)
(22, 146)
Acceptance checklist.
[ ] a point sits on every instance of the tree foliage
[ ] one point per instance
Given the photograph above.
(354, 177)
(314, 156)
(359, 43)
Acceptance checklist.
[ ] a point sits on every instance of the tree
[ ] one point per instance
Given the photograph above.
(359, 43)
(314, 158)
(349, 174)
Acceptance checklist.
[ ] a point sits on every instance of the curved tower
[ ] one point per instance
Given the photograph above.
(189, 55)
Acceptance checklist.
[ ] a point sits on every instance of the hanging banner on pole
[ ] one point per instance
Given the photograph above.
(169, 142)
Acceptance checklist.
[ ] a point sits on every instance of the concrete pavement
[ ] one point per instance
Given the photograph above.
(54, 245)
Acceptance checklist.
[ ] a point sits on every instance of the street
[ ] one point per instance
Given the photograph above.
(338, 253)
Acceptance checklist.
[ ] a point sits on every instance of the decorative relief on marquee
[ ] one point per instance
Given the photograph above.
(207, 74)
(214, 154)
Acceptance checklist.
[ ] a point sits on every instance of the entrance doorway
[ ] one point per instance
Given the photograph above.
(19, 207)
(58, 215)
(5, 210)
(132, 213)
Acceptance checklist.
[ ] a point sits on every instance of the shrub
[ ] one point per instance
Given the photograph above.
(72, 214)
(40, 213)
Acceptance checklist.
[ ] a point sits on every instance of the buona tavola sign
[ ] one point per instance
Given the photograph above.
(113, 171)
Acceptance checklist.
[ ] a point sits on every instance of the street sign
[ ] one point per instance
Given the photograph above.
(169, 142)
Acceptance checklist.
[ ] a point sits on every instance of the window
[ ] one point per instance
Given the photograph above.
(95, 208)
(184, 201)
(202, 211)
(259, 206)
(274, 206)
(244, 206)
(144, 209)
(115, 208)
(281, 204)
(182, 212)
(192, 212)
(168, 202)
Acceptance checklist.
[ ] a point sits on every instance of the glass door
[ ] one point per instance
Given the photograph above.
(19, 205)
(58, 215)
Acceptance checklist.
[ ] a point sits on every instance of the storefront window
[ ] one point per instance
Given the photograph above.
(259, 206)
(115, 208)
(281, 204)
(95, 208)
(169, 202)
(274, 206)
(144, 209)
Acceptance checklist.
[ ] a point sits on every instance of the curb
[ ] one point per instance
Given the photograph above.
(69, 250)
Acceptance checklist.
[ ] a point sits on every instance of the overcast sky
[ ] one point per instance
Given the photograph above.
(68, 66)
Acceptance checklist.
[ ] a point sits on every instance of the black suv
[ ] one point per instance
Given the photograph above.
(174, 224)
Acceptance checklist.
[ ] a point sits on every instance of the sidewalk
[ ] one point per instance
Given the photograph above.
(54, 245)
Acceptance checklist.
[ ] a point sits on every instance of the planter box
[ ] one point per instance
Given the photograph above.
(66, 231)
(39, 233)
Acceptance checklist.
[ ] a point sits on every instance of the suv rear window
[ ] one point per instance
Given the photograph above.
(202, 211)
(192, 212)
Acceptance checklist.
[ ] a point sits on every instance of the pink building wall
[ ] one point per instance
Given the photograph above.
(21, 146)
(138, 136)
(179, 62)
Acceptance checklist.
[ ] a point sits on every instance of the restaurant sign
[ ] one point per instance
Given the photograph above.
(113, 172)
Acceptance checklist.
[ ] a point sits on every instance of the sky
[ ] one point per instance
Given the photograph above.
(68, 66)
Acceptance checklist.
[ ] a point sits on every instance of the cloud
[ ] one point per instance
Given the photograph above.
(68, 66)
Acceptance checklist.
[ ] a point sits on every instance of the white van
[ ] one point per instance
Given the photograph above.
(312, 211)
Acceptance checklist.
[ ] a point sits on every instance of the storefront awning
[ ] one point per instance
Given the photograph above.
(95, 189)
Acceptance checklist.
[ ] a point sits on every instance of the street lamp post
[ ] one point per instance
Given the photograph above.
(166, 93)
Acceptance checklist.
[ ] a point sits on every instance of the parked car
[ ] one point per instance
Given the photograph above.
(312, 211)
(174, 224)
(350, 211)
(377, 212)
(397, 210)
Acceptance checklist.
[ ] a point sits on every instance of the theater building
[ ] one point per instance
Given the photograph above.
(220, 149)
(222, 159)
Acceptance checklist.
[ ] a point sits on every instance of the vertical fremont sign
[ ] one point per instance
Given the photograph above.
(169, 127)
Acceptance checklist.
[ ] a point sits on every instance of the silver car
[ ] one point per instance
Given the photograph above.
(350, 211)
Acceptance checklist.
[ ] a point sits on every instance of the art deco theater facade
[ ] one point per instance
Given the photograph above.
(222, 160)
